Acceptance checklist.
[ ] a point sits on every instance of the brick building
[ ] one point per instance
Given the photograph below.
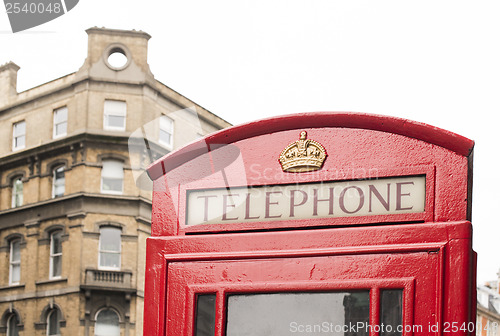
(73, 222)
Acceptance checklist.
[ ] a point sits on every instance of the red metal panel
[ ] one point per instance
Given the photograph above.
(433, 254)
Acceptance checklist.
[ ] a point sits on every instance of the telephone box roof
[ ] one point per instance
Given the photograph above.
(405, 127)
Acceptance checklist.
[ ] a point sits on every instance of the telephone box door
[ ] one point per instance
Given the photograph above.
(369, 289)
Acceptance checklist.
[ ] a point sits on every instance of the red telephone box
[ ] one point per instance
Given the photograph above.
(313, 224)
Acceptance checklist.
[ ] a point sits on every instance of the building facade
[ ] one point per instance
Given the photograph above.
(488, 310)
(74, 208)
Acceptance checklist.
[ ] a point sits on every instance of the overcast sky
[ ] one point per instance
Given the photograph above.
(436, 62)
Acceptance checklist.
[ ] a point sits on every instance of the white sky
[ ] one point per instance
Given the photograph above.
(436, 62)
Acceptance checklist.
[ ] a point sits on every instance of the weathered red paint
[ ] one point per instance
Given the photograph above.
(429, 254)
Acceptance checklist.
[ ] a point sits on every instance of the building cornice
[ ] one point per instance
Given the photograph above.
(75, 142)
(488, 313)
(81, 203)
(118, 32)
(68, 82)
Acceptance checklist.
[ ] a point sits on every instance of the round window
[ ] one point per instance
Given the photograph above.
(116, 58)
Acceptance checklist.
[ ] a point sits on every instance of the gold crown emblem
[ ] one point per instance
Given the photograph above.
(302, 155)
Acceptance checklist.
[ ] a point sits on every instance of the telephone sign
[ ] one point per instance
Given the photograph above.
(313, 224)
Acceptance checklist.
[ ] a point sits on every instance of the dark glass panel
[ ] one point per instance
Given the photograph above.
(391, 312)
(284, 314)
(205, 315)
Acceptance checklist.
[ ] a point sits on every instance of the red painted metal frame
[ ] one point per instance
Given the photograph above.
(359, 146)
(222, 289)
(199, 255)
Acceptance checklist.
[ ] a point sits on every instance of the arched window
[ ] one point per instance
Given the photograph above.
(53, 319)
(55, 254)
(110, 248)
(15, 262)
(58, 182)
(12, 325)
(107, 323)
(112, 177)
(17, 192)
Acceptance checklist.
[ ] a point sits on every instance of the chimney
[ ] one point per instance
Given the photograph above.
(8, 82)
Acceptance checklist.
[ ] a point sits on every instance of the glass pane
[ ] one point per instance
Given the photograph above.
(111, 260)
(111, 184)
(56, 246)
(20, 128)
(60, 115)
(61, 128)
(15, 276)
(112, 169)
(110, 239)
(59, 182)
(59, 173)
(166, 124)
(15, 251)
(391, 312)
(59, 189)
(12, 329)
(165, 137)
(56, 266)
(205, 315)
(115, 107)
(18, 185)
(116, 121)
(53, 323)
(284, 314)
(107, 323)
(17, 193)
(19, 141)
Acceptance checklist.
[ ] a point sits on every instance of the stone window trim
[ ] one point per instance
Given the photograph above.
(107, 303)
(5, 319)
(115, 225)
(110, 307)
(49, 172)
(42, 324)
(9, 179)
(45, 239)
(5, 247)
(113, 156)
